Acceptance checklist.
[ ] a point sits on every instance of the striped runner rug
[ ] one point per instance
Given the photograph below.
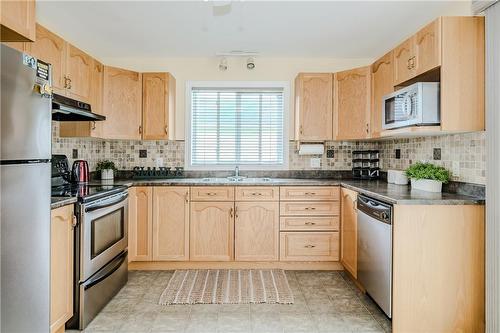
(227, 286)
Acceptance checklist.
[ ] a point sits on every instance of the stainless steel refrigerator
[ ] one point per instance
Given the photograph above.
(25, 192)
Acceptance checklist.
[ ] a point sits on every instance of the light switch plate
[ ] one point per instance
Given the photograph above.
(315, 162)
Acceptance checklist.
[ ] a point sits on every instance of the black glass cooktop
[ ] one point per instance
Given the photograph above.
(85, 192)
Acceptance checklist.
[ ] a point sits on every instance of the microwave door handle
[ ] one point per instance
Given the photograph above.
(106, 205)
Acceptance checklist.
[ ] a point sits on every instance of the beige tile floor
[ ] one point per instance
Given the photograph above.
(325, 301)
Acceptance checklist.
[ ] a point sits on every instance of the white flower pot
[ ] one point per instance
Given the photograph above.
(107, 174)
(427, 185)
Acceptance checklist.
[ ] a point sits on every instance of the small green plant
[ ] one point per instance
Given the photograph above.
(421, 170)
(106, 165)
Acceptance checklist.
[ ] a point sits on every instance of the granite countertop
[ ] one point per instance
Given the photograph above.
(390, 193)
(57, 202)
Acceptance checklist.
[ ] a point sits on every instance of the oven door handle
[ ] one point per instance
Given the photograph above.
(107, 271)
(91, 209)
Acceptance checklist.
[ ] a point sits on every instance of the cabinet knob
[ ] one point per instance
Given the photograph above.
(73, 222)
(140, 129)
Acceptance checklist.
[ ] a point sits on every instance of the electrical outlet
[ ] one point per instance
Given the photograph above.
(398, 154)
(436, 153)
(315, 162)
(75, 153)
(330, 153)
(143, 153)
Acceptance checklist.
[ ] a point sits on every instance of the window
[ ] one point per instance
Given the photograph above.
(240, 124)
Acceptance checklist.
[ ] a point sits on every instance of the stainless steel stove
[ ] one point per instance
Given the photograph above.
(101, 240)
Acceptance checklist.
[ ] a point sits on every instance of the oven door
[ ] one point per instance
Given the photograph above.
(104, 232)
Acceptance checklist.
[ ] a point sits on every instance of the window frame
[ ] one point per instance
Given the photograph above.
(285, 85)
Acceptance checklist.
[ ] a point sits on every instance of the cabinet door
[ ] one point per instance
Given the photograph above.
(52, 49)
(349, 232)
(17, 20)
(382, 84)
(158, 96)
(404, 61)
(428, 47)
(352, 103)
(140, 224)
(211, 231)
(61, 266)
(122, 104)
(256, 231)
(170, 223)
(88, 128)
(313, 106)
(79, 74)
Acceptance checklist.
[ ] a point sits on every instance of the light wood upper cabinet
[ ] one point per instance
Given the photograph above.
(256, 231)
(61, 266)
(427, 47)
(122, 104)
(404, 61)
(88, 128)
(17, 21)
(352, 103)
(313, 107)
(212, 231)
(382, 84)
(140, 223)
(170, 223)
(349, 232)
(158, 101)
(79, 74)
(52, 49)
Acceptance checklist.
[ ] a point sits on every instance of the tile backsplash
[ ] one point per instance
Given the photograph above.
(463, 154)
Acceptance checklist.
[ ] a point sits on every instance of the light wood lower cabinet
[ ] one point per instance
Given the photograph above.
(61, 266)
(256, 231)
(349, 232)
(309, 246)
(140, 223)
(170, 223)
(211, 231)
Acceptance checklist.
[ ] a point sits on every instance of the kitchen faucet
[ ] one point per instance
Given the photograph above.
(236, 171)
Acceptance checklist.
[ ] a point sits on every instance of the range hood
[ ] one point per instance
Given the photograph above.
(67, 109)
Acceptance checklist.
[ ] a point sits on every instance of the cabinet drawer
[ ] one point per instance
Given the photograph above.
(301, 193)
(317, 208)
(309, 246)
(212, 193)
(262, 193)
(329, 223)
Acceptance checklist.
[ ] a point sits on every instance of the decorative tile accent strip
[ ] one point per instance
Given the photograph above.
(463, 154)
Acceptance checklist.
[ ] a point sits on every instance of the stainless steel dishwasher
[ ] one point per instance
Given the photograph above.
(375, 250)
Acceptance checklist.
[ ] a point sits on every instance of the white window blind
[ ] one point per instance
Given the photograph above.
(232, 126)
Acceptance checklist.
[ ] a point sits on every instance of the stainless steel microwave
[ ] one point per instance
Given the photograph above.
(415, 105)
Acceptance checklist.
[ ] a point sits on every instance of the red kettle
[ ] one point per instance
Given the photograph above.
(80, 172)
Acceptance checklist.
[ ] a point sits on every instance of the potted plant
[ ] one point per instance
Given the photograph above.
(106, 168)
(427, 176)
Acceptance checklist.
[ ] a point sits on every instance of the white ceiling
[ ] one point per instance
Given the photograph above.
(338, 29)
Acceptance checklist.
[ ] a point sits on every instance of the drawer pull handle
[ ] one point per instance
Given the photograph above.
(310, 208)
(309, 246)
(211, 194)
(310, 223)
(256, 193)
(310, 193)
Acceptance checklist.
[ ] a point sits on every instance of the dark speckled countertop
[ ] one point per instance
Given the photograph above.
(57, 202)
(391, 193)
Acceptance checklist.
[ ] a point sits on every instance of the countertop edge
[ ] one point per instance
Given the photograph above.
(455, 199)
(58, 202)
